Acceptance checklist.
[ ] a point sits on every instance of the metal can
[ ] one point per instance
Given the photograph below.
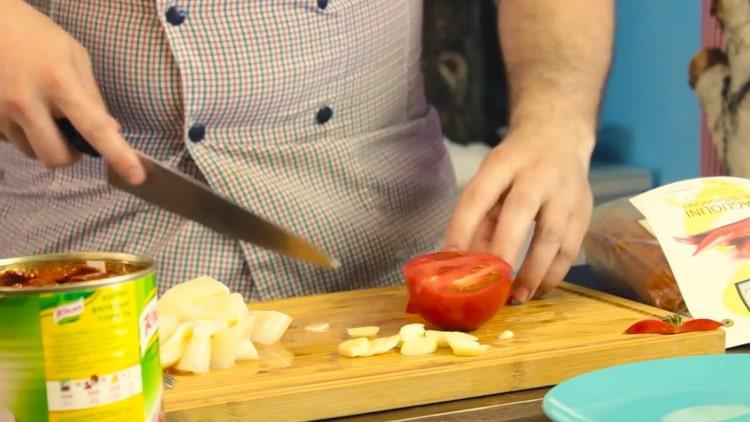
(83, 350)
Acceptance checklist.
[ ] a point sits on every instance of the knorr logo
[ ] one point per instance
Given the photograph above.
(68, 312)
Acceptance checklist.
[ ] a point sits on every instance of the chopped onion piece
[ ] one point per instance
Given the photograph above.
(461, 346)
(172, 349)
(167, 325)
(358, 347)
(276, 356)
(225, 345)
(382, 345)
(246, 324)
(208, 327)
(247, 351)
(320, 327)
(269, 326)
(419, 346)
(371, 331)
(440, 336)
(411, 331)
(197, 355)
(231, 307)
(174, 299)
(506, 335)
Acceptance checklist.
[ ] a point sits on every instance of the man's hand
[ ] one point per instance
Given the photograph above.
(557, 55)
(46, 74)
(532, 175)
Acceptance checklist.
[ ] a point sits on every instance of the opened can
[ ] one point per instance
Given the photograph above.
(78, 339)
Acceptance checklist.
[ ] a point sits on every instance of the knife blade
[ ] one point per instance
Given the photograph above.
(182, 195)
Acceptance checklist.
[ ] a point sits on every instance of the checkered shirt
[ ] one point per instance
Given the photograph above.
(315, 118)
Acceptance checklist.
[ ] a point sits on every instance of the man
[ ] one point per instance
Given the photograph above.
(309, 112)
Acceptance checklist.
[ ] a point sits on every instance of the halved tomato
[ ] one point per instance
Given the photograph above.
(457, 290)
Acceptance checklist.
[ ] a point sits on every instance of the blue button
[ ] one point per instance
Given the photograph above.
(197, 132)
(175, 15)
(324, 114)
(322, 4)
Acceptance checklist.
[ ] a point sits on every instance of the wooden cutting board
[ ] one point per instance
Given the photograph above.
(572, 331)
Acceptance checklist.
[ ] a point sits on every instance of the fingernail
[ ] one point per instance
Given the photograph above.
(136, 176)
(520, 295)
(538, 295)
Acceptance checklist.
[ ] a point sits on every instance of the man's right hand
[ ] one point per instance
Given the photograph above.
(46, 74)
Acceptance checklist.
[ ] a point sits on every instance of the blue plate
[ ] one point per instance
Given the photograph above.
(693, 389)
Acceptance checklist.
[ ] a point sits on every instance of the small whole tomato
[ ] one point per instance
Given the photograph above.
(457, 290)
(673, 324)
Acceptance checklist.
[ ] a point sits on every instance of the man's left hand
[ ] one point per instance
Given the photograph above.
(537, 177)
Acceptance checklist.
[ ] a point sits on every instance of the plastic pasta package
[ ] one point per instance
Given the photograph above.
(627, 257)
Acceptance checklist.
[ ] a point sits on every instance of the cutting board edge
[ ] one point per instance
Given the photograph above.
(302, 382)
(614, 300)
(695, 344)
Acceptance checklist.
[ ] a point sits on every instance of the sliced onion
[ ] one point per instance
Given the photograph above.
(320, 327)
(384, 344)
(506, 335)
(247, 351)
(356, 347)
(197, 355)
(174, 299)
(167, 325)
(411, 331)
(172, 349)
(246, 324)
(369, 331)
(276, 356)
(229, 307)
(269, 326)
(225, 344)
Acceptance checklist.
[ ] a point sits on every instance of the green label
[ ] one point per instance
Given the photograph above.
(81, 355)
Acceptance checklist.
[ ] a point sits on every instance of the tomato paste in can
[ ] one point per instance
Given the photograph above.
(78, 339)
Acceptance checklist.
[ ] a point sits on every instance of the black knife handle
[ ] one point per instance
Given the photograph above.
(75, 139)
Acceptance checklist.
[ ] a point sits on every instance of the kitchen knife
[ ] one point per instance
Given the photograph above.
(184, 196)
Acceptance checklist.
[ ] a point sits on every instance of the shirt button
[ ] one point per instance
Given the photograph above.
(197, 132)
(324, 115)
(175, 15)
(322, 4)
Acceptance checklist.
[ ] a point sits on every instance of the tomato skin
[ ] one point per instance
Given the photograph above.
(672, 325)
(700, 324)
(457, 290)
(651, 326)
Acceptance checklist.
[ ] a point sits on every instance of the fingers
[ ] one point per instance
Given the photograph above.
(551, 229)
(544, 253)
(30, 126)
(89, 116)
(47, 74)
(482, 193)
(85, 72)
(516, 219)
(17, 137)
(569, 250)
(44, 137)
(483, 236)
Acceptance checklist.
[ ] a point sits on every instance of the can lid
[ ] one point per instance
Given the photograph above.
(145, 266)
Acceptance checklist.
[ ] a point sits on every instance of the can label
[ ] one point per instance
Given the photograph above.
(81, 355)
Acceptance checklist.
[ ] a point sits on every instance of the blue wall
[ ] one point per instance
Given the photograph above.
(650, 116)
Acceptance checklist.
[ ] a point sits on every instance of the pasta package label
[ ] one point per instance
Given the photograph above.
(703, 227)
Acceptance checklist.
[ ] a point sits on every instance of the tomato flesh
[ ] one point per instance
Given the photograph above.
(457, 290)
